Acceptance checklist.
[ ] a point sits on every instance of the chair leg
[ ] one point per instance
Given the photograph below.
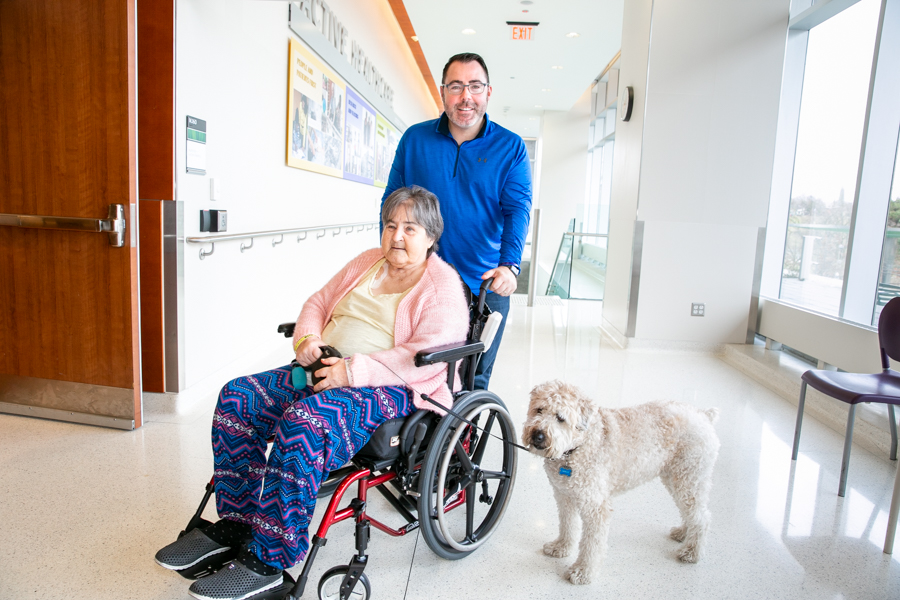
(892, 516)
(799, 420)
(893, 419)
(848, 442)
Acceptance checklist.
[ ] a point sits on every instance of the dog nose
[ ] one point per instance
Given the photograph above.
(538, 440)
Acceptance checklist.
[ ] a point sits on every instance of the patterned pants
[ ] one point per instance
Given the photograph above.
(314, 434)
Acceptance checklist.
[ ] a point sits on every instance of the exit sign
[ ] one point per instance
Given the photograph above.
(521, 32)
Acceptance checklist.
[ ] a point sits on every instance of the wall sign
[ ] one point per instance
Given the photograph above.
(316, 98)
(315, 23)
(195, 160)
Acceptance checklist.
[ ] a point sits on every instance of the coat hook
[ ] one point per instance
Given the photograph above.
(349, 230)
(361, 227)
(212, 248)
(300, 239)
(276, 242)
(320, 236)
(336, 232)
(243, 247)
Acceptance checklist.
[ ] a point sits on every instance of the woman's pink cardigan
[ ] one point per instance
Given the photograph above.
(433, 313)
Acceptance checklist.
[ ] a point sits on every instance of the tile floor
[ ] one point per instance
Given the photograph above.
(83, 509)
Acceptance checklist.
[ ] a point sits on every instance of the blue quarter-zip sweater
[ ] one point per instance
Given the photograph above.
(484, 187)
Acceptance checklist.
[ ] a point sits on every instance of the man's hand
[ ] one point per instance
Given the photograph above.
(504, 281)
(335, 374)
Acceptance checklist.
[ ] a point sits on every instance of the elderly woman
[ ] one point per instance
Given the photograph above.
(379, 311)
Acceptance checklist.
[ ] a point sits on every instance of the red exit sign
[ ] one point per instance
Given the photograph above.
(521, 32)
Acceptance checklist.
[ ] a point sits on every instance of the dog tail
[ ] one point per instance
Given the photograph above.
(712, 413)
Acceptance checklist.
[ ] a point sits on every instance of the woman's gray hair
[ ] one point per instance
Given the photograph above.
(421, 206)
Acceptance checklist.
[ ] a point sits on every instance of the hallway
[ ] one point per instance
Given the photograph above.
(83, 509)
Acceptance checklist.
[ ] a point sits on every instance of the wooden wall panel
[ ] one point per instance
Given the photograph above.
(156, 143)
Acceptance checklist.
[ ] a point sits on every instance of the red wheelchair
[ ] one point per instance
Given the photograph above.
(452, 475)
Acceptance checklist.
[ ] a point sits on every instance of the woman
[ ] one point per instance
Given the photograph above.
(380, 310)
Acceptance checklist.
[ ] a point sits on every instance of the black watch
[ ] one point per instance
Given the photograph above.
(514, 268)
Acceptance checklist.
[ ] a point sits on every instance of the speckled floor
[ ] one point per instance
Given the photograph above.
(83, 509)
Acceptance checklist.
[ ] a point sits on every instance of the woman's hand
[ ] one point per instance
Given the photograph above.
(308, 352)
(335, 374)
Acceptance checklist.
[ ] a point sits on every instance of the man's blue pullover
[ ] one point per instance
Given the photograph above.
(483, 185)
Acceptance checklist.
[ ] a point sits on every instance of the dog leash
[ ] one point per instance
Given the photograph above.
(447, 410)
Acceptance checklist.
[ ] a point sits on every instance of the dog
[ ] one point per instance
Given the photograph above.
(593, 453)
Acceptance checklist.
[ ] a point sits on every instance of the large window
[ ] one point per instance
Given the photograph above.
(889, 274)
(826, 165)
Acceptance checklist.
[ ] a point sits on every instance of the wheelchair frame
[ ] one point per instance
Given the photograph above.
(416, 472)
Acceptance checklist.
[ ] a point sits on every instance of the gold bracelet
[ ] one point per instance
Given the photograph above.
(303, 339)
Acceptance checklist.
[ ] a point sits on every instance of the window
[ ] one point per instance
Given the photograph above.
(832, 118)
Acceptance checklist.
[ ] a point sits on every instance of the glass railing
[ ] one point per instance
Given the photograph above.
(580, 267)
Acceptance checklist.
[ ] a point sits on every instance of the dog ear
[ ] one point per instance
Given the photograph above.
(586, 414)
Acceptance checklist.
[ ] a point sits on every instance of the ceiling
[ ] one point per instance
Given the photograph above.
(522, 76)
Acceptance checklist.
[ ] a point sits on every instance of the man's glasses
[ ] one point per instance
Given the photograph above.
(456, 88)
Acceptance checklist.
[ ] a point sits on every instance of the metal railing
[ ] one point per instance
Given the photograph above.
(279, 233)
(560, 283)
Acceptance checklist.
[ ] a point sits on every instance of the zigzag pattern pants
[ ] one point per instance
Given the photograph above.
(314, 434)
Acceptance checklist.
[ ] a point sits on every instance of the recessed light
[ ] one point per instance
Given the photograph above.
(556, 67)
(468, 32)
(573, 35)
(415, 38)
(538, 106)
(545, 90)
(532, 119)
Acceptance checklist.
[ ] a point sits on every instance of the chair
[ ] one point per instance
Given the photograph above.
(854, 388)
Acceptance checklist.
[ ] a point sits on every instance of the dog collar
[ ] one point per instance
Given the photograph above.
(565, 455)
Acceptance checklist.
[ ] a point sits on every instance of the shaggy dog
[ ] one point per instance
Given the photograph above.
(593, 453)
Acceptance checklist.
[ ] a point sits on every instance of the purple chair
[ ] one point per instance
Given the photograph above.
(854, 388)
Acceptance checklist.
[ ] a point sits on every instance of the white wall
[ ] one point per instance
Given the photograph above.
(713, 83)
(563, 173)
(231, 70)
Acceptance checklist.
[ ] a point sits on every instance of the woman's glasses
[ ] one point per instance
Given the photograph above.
(456, 88)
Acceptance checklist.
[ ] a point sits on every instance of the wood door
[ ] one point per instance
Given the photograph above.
(68, 300)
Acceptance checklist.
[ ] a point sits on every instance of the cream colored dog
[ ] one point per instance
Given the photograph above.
(593, 453)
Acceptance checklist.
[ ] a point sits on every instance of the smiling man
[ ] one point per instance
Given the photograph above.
(481, 175)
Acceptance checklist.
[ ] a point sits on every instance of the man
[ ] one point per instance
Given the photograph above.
(481, 175)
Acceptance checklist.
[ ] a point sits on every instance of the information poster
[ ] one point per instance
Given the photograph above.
(316, 100)
(386, 139)
(359, 140)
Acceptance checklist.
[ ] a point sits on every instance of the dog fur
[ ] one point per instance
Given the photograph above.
(615, 450)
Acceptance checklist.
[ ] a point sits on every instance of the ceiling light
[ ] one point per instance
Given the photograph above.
(545, 90)
(556, 67)
(526, 2)
(415, 38)
(468, 32)
(573, 35)
(538, 106)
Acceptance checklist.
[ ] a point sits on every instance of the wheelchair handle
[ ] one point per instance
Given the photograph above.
(482, 294)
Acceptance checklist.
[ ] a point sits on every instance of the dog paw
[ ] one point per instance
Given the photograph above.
(678, 534)
(688, 554)
(578, 574)
(557, 549)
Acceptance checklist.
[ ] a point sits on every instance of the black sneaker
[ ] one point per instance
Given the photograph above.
(197, 545)
(234, 581)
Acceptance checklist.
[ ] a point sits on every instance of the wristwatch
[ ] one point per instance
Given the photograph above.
(514, 268)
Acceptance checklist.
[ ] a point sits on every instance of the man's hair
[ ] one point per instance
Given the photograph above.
(422, 207)
(465, 57)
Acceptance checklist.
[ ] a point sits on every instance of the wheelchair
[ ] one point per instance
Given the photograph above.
(425, 465)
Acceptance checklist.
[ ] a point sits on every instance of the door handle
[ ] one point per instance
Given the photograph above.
(114, 225)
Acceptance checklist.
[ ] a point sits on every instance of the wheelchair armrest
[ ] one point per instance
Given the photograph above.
(287, 329)
(448, 353)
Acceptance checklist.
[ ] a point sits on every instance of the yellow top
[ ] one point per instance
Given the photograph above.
(363, 322)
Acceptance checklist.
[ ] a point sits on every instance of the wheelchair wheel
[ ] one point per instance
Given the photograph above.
(330, 585)
(467, 468)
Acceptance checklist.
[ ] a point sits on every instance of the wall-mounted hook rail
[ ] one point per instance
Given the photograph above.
(277, 235)
(212, 248)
